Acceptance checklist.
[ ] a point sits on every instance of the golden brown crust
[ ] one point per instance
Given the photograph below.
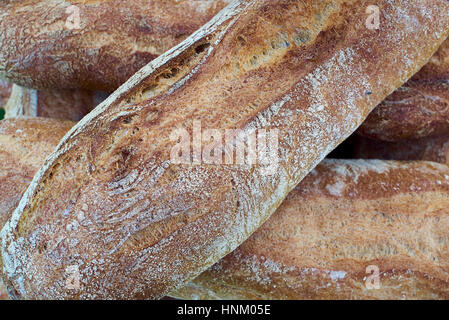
(438, 66)
(71, 104)
(110, 202)
(335, 191)
(430, 149)
(416, 110)
(115, 39)
(24, 144)
(343, 217)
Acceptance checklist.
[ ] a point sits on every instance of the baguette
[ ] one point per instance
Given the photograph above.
(57, 104)
(318, 228)
(111, 204)
(430, 149)
(345, 216)
(43, 48)
(418, 109)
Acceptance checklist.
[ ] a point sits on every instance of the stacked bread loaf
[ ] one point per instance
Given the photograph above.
(119, 199)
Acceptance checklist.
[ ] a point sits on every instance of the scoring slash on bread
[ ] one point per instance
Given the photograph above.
(94, 45)
(418, 109)
(110, 203)
(70, 104)
(322, 242)
(352, 229)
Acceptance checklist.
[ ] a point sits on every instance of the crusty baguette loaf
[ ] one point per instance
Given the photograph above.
(418, 109)
(318, 228)
(430, 149)
(42, 47)
(345, 216)
(110, 203)
(70, 104)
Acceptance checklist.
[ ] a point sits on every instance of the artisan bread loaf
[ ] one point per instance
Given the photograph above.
(113, 205)
(93, 45)
(70, 104)
(418, 109)
(352, 229)
(315, 235)
(430, 149)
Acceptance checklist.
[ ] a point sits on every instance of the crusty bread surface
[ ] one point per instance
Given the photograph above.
(24, 145)
(319, 242)
(347, 220)
(418, 109)
(5, 92)
(110, 202)
(43, 46)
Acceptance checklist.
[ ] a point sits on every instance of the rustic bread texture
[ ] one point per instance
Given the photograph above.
(337, 203)
(418, 109)
(438, 66)
(115, 39)
(24, 145)
(5, 92)
(57, 104)
(343, 217)
(110, 202)
(430, 149)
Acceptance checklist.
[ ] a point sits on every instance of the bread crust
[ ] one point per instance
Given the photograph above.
(418, 109)
(344, 216)
(438, 66)
(110, 202)
(114, 40)
(290, 256)
(5, 92)
(24, 145)
(71, 104)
